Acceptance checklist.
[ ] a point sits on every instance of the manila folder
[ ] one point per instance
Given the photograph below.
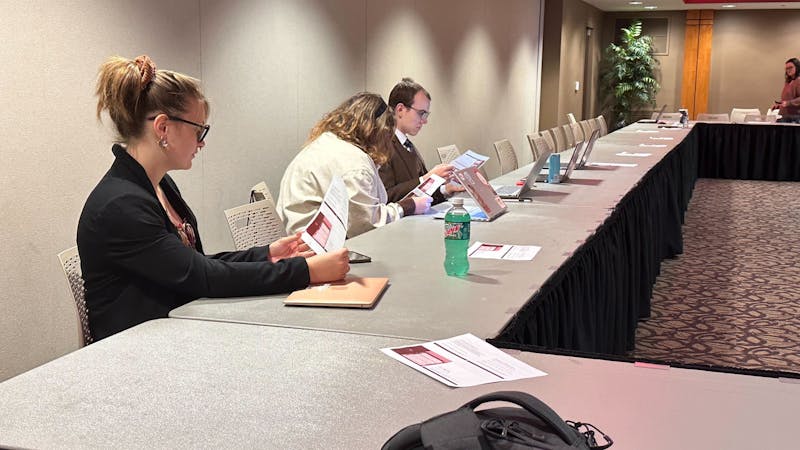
(352, 292)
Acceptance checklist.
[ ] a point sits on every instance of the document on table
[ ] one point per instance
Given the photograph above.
(427, 188)
(637, 155)
(665, 138)
(605, 164)
(647, 131)
(328, 229)
(469, 159)
(503, 251)
(653, 145)
(462, 361)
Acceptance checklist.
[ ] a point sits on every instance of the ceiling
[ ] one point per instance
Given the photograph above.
(673, 5)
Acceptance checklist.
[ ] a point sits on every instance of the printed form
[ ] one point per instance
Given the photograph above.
(327, 231)
(462, 361)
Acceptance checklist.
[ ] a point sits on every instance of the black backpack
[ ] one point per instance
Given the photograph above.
(534, 425)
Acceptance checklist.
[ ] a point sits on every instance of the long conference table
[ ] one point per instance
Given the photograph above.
(173, 383)
(253, 373)
(603, 235)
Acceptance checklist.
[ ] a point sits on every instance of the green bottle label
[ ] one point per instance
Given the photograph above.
(456, 230)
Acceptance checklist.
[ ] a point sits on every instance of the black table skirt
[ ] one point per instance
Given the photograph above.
(748, 152)
(594, 301)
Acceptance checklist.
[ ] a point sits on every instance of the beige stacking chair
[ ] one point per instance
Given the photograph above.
(559, 139)
(757, 118)
(261, 192)
(738, 114)
(601, 123)
(254, 224)
(448, 153)
(569, 137)
(71, 264)
(506, 156)
(707, 117)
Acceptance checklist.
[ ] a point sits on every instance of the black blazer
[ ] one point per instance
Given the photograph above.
(135, 267)
(401, 173)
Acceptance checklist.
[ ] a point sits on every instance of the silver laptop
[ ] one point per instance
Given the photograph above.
(658, 117)
(490, 205)
(519, 192)
(567, 171)
(588, 151)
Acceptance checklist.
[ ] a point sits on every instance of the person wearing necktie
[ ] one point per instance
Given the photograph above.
(405, 170)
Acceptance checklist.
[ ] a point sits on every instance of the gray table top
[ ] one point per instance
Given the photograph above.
(187, 384)
(421, 301)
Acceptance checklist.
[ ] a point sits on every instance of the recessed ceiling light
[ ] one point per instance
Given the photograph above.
(650, 7)
(729, 6)
(634, 3)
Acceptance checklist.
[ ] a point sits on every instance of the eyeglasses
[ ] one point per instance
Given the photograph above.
(201, 133)
(422, 113)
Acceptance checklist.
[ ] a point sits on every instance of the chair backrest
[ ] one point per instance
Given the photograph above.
(707, 117)
(569, 137)
(506, 156)
(254, 224)
(601, 123)
(71, 264)
(539, 145)
(670, 116)
(737, 114)
(577, 131)
(559, 139)
(261, 192)
(448, 153)
(548, 137)
(571, 118)
(587, 126)
(751, 118)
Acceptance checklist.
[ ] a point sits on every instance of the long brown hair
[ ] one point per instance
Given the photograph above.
(130, 90)
(363, 120)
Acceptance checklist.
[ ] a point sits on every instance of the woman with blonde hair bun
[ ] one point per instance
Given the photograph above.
(138, 240)
(351, 142)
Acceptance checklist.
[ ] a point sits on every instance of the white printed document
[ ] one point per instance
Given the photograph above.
(503, 251)
(647, 131)
(428, 187)
(327, 231)
(653, 145)
(606, 164)
(469, 159)
(665, 138)
(462, 361)
(636, 155)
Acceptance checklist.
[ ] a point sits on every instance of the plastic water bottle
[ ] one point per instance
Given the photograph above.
(554, 168)
(456, 239)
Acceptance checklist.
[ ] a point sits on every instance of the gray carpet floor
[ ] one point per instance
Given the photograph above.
(732, 299)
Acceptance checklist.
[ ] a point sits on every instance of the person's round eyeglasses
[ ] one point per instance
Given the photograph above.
(422, 113)
(202, 131)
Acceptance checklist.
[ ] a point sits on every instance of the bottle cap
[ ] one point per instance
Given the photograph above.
(457, 201)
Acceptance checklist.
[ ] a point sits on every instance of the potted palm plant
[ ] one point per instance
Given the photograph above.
(627, 82)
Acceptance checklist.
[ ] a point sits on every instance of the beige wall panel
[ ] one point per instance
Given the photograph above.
(479, 63)
(748, 55)
(272, 69)
(53, 150)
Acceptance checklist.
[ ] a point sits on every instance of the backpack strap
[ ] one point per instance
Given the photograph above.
(534, 406)
(457, 430)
